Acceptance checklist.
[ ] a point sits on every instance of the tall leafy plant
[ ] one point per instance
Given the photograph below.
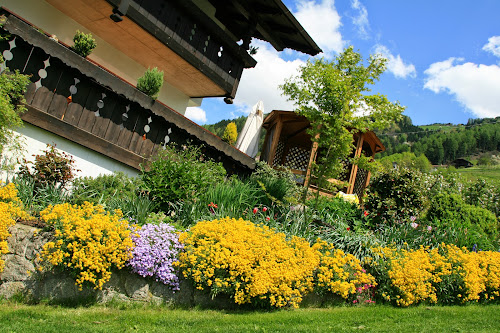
(333, 97)
(12, 87)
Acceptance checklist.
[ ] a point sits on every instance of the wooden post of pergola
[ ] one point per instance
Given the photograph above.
(298, 151)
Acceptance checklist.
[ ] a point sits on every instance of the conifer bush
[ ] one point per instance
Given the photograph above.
(84, 43)
(151, 82)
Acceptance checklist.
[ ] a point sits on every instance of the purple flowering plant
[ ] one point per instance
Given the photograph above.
(156, 249)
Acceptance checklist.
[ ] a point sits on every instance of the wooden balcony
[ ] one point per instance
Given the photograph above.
(197, 56)
(83, 102)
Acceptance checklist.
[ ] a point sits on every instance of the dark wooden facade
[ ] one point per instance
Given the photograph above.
(195, 43)
(82, 102)
(288, 144)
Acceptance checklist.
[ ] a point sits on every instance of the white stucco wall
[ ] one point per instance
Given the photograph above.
(89, 162)
(54, 22)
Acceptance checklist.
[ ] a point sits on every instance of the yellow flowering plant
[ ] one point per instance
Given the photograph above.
(447, 275)
(89, 243)
(341, 274)
(251, 263)
(10, 210)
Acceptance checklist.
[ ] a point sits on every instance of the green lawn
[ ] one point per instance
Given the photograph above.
(489, 173)
(41, 318)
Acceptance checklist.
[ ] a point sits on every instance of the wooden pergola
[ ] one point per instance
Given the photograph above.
(288, 144)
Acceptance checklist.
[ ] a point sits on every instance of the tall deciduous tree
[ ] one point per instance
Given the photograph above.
(332, 95)
(230, 133)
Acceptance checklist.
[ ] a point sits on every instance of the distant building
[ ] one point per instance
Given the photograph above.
(461, 163)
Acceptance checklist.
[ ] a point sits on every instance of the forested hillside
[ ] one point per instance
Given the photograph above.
(218, 128)
(443, 143)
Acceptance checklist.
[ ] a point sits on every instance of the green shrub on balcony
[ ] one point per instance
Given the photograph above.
(84, 43)
(150, 83)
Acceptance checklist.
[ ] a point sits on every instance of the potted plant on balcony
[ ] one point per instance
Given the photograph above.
(150, 83)
(84, 43)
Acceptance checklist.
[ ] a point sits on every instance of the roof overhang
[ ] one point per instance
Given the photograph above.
(268, 20)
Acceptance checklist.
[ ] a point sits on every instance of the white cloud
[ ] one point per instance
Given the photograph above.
(361, 21)
(474, 86)
(322, 22)
(395, 64)
(493, 46)
(261, 82)
(196, 114)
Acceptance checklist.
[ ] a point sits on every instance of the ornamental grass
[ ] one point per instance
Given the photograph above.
(10, 210)
(88, 243)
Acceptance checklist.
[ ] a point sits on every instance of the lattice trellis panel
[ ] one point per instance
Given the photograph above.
(279, 153)
(297, 158)
(359, 184)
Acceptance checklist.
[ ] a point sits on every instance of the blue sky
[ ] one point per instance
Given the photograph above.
(444, 57)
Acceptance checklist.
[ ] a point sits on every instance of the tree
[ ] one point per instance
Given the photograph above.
(12, 87)
(332, 96)
(230, 133)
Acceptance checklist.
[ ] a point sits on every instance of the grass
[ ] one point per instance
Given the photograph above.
(121, 318)
(490, 173)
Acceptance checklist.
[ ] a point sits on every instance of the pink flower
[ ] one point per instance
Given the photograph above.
(414, 225)
(429, 228)
(264, 209)
(255, 210)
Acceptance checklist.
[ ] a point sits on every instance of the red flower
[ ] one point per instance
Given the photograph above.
(366, 213)
(348, 228)
(268, 218)
(255, 210)
(212, 205)
(264, 209)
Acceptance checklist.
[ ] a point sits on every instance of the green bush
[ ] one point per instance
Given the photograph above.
(84, 43)
(406, 160)
(483, 194)
(103, 188)
(150, 83)
(449, 210)
(182, 174)
(12, 87)
(394, 196)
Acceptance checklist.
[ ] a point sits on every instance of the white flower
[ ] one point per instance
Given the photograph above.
(414, 225)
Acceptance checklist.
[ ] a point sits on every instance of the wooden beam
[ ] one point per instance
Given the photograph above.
(354, 171)
(276, 140)
(63, 129)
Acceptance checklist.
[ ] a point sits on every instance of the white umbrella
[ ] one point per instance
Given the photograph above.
(248, 140)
